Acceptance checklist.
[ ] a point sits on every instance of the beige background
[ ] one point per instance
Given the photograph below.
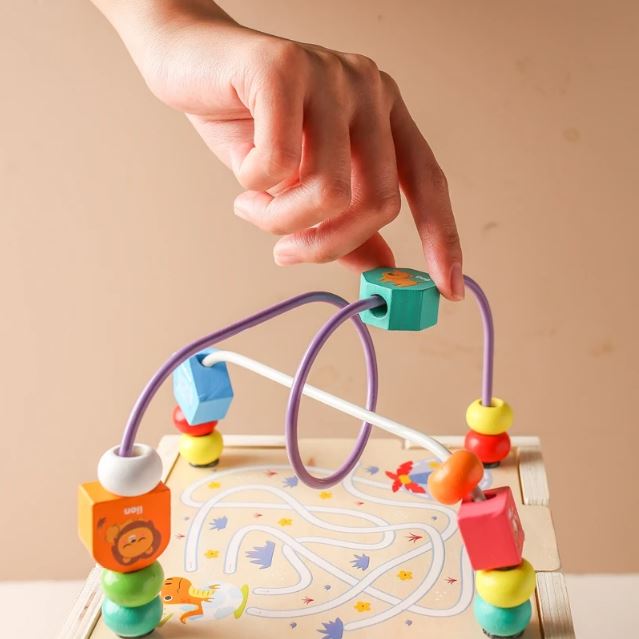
(118, 245)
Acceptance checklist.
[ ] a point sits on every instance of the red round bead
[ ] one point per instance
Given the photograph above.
(489, 448)
(183, 426)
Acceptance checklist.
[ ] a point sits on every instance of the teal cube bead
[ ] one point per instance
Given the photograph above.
(502, 622)
(412, 299)
(132, 589)
(203, 393)
(132, 622)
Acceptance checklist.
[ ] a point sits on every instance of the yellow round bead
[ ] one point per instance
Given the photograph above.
(201, 451)
(506, 588)
(489, 420)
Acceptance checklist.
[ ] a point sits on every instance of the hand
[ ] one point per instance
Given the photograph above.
(321, 140)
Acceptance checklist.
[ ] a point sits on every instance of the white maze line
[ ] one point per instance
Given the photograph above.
(193, 535)
(358, 586)
(292, 547)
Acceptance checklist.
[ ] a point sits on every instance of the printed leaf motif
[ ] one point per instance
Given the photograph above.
(219, 524)
(290, 482)
(332, 629)
(262, 556)
(361, 562)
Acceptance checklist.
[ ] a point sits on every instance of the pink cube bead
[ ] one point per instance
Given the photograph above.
(491, 530)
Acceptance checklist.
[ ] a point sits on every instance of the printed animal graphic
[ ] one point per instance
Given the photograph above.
(398, 278)
(413, 477)
(214, 602)
(133, 540)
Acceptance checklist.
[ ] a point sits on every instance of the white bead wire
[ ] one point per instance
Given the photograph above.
(400, 430)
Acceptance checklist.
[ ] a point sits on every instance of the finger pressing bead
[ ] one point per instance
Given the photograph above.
(130, 476)
(412, 299)
(489, 420)
(202, 451)
(132, 622)
(508, 587)
(457, 477)
(502, 622)
(133, 589)
(181, 423)
(490, 449)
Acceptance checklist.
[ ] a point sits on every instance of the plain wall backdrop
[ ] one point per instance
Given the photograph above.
(118, 245)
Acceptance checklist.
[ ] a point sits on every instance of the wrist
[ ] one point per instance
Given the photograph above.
(144, 22)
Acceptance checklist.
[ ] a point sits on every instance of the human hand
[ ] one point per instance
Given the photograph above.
(321, 140)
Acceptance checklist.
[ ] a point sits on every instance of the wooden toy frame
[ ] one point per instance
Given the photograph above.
(551, 600)
(121, 527)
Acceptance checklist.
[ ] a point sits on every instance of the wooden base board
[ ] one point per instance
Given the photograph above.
(523, 470)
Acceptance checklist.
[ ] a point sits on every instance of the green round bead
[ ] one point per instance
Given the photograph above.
(132, 589)
(132, 622)
(502, 622)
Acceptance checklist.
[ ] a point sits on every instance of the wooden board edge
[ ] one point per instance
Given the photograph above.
(86, 610)
(532, 476)
(553, 605)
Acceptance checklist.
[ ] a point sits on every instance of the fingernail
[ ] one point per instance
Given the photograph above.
(457, 288)
(282, 258)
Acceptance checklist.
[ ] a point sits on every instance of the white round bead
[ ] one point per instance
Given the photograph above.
(130, 476)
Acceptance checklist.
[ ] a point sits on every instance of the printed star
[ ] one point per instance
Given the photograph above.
(362, 606)
(214, 484)
(325, 494)
(212, 554)
(451, 580)
(285, 521)
(413, 537)
(405, 575)
(307, 600)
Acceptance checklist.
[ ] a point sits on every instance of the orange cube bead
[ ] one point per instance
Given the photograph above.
(456, 478)
(124, 533)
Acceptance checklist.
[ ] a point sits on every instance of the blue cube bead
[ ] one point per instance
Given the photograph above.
(204, 393)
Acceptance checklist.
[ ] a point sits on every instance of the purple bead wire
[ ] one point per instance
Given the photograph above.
(348, 311)
(489, 340)
(292, 410)
(153, 385)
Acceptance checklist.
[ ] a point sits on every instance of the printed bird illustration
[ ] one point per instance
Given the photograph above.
(412, 477)
(307, 600)
(413, 537)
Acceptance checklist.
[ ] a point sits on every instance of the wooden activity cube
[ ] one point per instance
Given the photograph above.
(355, 561)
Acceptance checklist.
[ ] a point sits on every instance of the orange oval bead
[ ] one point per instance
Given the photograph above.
(456, 478)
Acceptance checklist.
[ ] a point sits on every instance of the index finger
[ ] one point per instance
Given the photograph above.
(426, 190)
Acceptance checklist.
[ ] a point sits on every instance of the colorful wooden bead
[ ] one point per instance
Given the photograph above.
(412, 299)
(133, 589)
(202, 451)
(183, 425)
(132, 622)
(456, 478)
(489, 420)
(124, 534)
(204, 393)
(506, 588)
(489, 448)
(130, 476)
(491, 530)
(502, 622)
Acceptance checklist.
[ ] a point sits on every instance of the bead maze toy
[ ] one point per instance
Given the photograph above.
(127, 517)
